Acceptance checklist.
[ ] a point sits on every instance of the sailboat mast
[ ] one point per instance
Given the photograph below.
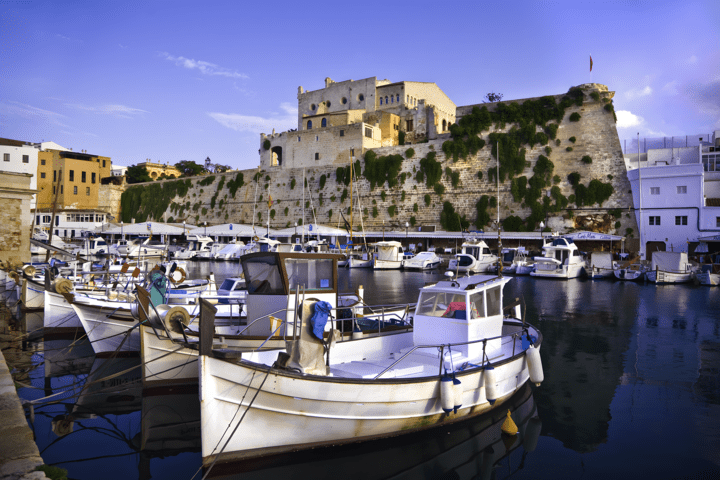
(352, 174)
(303, 209)
(497, 175)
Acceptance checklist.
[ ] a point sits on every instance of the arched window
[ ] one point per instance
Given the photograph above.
(392, 100)
(397, 98)
(444, 125)
(386, 99)
(309, 125)
(380, 100)
(407, 98)
(323, 123)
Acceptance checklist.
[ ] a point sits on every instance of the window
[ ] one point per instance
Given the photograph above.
(74, 190)
(87, 191)
(380, 100)
(327, 104)
(654, 220)
(93, 177)
(681, 220)
(312, 107)
(323, 123)
(342, 133)
(103, 163)
(72, 175)
(42, 174)
(42, 162)
(717, 222)
(654, 190)
(409, 125)
(361, 97)
(368, 132)
(344, 100)
(53, 190)
(6, 157)
(397, 98)
(83, 177)
(681, 189)
(386, 99)
(26, 158)
(391, 99)
(309, 125)
(317, 156)
(62, 192)
(317, 138)
(54, 175)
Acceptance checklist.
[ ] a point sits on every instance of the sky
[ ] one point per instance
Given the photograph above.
(175, 80)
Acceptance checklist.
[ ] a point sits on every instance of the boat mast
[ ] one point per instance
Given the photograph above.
(54, 213)
(497, 175)
(303, 208)
(640, 226)
(257, 180)
(351, 197)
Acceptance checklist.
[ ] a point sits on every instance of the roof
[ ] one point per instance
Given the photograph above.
(473, 281)
(149, 227)
(310, 230)
(231, 230)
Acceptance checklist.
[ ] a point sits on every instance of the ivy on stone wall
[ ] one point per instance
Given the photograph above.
(378, 170)
(430, 170)
(151, 200)
(207, 180)
(233, 185)
(450, 220)
(391, 210)
(483, 217)
(323, 178)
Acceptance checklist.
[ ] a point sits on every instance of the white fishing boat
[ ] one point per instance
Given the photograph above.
(632, 270)
(360, 260)
(708, 274)
(561, 259)
(388, 255)
(422, 261)
(92, 245)
(670, 267)
(462, 358)
(601, 265)
(475, 257)
(169, 349)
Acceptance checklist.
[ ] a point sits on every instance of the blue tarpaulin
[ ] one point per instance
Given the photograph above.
(320, 318)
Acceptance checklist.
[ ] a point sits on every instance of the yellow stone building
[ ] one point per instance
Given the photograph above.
(73, 178)
(158, 169)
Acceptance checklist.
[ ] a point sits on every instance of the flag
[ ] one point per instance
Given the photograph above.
(591, 63)
(270, 201)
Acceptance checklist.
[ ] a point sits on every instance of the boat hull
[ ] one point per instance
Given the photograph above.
(59, 314)
(387, 264)
(565, 272)
(707, 278)
(287, 411)
(659, 276)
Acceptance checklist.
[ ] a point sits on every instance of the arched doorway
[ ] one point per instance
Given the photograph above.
(276, 156)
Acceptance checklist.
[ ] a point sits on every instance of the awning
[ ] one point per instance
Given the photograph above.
(147, 228)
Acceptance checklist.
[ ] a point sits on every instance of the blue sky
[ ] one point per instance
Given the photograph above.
(173, 80)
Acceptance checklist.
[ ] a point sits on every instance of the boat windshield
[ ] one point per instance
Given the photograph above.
(493, 303)
(313, 274)
(262, 275)
(227, 284)
(442, 304)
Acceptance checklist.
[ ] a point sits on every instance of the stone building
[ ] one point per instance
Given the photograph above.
(159, 169)
(15, 215)
(346, 118)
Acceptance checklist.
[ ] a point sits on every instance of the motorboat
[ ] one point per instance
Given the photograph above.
(388, 255)
(231, 251)
(708, 273)
(360, 259)
(475, 257)
(92, 245)
(670, 267)
(601, 265)
(196, 244)
(561, 259)
(144, 248)
(462, 358)
(422, 261)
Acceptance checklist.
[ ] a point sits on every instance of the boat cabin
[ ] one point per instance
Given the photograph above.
(461, 310)
(272, 279)
(476, 249)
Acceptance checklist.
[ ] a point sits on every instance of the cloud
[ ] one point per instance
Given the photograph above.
(625, 119)
(121, 111)
(254, 124)
(706, 98)
(206, 68)
(635, 93)
(121, 45)
(35, 113)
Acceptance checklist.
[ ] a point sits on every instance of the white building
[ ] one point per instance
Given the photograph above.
(20, 157)
(676, 193)
(118, 170)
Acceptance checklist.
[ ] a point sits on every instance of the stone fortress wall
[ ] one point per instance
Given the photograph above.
(595, 134)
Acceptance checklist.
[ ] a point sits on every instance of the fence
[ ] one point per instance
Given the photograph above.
(631, 145)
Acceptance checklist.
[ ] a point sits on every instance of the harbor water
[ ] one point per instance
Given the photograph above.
(631, 390)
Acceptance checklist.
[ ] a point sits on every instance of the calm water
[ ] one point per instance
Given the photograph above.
(631, 390)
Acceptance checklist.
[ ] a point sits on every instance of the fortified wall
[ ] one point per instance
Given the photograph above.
(583, 142)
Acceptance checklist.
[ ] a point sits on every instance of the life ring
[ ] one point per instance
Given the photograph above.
(255, 238)
(63, 285)
(182, 276)
(28, 270)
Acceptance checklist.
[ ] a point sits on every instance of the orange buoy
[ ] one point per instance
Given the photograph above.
(508, 426)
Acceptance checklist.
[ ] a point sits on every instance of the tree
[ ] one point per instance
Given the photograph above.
(222, 168)
(188, 168)
(137, 174)
(492, 97)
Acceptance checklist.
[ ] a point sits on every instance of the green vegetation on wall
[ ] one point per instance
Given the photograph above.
(450, 220)
(378, 170)
(151, 200)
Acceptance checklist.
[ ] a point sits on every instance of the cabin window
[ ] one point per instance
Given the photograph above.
(494, 304)
(477, 305)
(311, 274)
(442, 304)
(262, 276)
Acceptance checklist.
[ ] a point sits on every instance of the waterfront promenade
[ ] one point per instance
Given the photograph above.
(19, 455)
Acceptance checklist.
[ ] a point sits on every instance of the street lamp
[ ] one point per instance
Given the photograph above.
(295, 239)
(122, 229)
(206, 229)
